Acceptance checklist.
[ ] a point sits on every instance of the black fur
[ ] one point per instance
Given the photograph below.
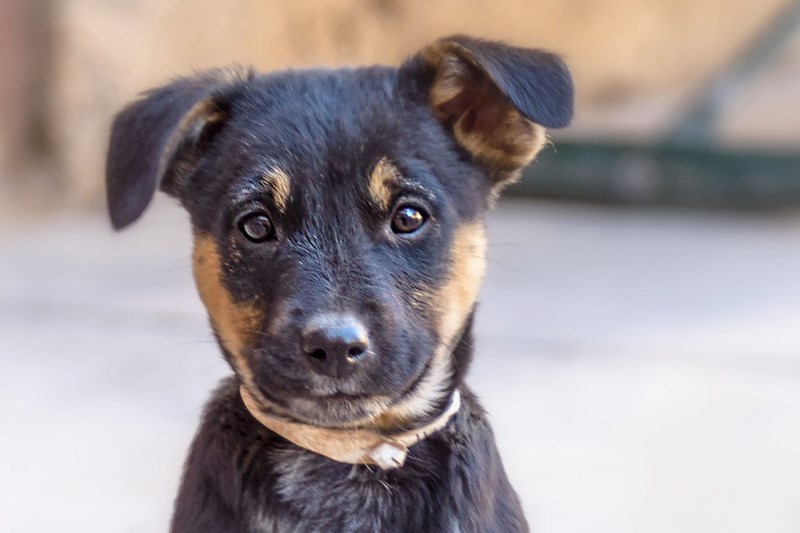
(240, 477)
(208, 140)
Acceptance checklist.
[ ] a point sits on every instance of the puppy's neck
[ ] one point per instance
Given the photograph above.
(353, 446)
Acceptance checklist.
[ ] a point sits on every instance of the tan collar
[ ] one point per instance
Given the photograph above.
(354, 446)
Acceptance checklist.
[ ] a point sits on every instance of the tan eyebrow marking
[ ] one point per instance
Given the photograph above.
(277, 180)
(381, 179)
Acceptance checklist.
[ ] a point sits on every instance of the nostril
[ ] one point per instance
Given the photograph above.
(319, 355)
(356, 352)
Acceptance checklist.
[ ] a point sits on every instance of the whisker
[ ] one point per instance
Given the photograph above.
(386, 485)
(197, 341)
(179, 266)
(494, 261)
(465, 343)
(502, 244)
(211, 367)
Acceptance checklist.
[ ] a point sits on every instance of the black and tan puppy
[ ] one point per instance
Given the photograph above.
(339, 247)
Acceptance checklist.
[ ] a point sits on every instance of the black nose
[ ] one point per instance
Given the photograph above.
(335, 345)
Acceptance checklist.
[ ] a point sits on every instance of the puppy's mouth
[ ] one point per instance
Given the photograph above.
(337, 407)
(335, 410)
(344, 397)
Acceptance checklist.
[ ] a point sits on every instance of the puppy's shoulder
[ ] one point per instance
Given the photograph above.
(471, 424)
(227, 423)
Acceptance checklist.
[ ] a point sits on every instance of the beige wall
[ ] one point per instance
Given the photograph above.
(107, 51)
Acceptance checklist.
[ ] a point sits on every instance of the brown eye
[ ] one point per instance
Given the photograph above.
(407, 219)
(257, 227)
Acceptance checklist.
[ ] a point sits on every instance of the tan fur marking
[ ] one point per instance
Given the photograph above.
(380, 180)
(277, 180)
(468, 266)
(455, 301)
(235, 323)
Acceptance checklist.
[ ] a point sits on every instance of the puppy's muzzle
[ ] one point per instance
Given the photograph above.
(335, 345)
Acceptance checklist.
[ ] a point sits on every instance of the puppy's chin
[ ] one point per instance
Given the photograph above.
(328, 411)
(337, 411)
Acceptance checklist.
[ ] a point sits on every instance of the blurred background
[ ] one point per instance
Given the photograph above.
(639, 333)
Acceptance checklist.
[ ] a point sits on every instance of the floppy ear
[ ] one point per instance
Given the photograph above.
(497, 99)
(157, 140)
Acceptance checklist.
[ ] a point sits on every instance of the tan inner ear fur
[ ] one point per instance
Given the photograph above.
(453, 302)
(235, 323)
(201, 113)
(483, 120)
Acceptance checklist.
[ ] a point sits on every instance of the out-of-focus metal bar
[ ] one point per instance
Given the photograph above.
(699, 122)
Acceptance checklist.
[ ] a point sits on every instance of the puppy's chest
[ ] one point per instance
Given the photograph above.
(314, 494)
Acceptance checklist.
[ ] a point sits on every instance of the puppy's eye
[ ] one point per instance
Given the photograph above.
(257, 227)
(408, 219)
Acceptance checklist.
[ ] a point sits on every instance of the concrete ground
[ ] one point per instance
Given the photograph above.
(642, 369)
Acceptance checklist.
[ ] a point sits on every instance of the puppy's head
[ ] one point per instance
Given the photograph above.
(338, 214)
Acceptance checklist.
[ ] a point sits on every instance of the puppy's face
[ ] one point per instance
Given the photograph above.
(338, 214)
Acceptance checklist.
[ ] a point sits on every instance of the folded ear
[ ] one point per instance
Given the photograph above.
(157, 140)
(497, 99)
